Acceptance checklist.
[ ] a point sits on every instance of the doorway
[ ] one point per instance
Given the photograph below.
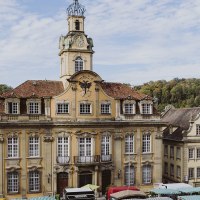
(62, 182)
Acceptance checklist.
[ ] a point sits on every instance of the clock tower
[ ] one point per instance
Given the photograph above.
(75, 48)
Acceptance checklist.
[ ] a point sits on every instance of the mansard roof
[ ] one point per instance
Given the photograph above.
(35, 88)
(122, 91)
(181, 117)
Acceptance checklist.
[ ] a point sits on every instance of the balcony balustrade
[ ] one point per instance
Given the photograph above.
(106, 158)
(63, 160)
(86, 159)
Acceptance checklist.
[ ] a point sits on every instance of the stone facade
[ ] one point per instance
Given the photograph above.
(79, 130)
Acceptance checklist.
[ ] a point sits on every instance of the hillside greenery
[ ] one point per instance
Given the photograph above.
(4, 88)
(181, 93)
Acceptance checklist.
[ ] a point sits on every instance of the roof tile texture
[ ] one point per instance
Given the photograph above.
(36, 88)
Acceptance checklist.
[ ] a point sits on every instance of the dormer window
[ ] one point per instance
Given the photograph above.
(146, 107)
(78, 64)
(12, 106)
(129, 107)
(34, 107)
(77, 25)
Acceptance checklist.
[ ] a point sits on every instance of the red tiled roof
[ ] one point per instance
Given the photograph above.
(122, 91)
(36, 88)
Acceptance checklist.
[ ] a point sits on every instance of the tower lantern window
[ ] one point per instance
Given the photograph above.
(77, 25)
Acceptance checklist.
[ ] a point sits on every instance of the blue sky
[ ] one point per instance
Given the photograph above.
(135, 41)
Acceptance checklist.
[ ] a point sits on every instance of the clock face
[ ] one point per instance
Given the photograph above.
(79, 41)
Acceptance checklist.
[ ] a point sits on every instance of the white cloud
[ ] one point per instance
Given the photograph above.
(145, 33)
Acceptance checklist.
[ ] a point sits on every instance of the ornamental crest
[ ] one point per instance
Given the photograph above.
(85, 86)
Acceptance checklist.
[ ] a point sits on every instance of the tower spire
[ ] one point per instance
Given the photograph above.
(76, 9)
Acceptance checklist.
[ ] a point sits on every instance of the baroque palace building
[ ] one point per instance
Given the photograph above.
(78, 130)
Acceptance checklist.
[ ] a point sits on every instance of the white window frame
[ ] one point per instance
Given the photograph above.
(62, 108)
(198, 172)
(171, 151)
(34, 181)
(33, 106)
(34, 146)
(79, 64)
(191, 153)
(178, 171)
(85, 108)
(147, 174)
(63, 149)
(190, 173)
(12, 182)
(146, 107)
(13, 147)
(85, 147)
(178, 153)
(105, 108)
(13, 108)
(146, 143)
(105, 148)
(129, 144)
(129, 177)
(198, 129)
(129, 108)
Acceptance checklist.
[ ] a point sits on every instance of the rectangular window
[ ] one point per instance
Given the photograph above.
(166, 150)
(198, 129)
(105, 148)
(178, 171)
(146, 108)
(129, 144)
(129, 175)
(105, 109)
(171, 152)
(171, 170)
(178, 153)
(191, 173)
(146, 143)
(12, 108)
(62, 108)
(34, 181)
(146, 174)
(166, 168)
(63, 150)
(34, 147)
(191, 153)
(129, 108)
(33, 108)
(85, 149)
(85, 108)
(13, 182)
(198, 172)
(198, 153)
(13, 147)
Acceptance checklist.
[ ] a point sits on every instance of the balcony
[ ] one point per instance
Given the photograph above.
(139, 117)
(86, 159)
(63, 160)
(106, 158)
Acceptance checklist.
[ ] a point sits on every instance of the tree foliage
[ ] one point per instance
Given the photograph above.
(4, 88)
(180, 93)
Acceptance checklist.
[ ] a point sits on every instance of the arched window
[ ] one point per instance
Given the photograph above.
(78, 64)
(77, 25)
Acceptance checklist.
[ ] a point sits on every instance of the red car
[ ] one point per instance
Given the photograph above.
(114, 189)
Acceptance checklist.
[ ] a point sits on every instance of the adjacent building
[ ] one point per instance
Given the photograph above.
(78, 130)
(181, 142)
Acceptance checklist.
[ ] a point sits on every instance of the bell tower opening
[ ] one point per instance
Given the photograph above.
(77, 25)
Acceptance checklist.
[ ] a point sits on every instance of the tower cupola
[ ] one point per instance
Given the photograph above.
(76, 9)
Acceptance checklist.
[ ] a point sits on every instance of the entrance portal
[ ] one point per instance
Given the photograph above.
(62, 182)
(106, 180)
(85, 178)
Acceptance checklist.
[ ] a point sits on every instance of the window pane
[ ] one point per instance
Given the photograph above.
(129, 175)
(34, 181)
(146, 143)
(85, 108)
(62, 108)
(146, 174)
(34, 146)
(13, 182)
(12, 147)
(78, 64)
(129, 144)
(105, 108)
